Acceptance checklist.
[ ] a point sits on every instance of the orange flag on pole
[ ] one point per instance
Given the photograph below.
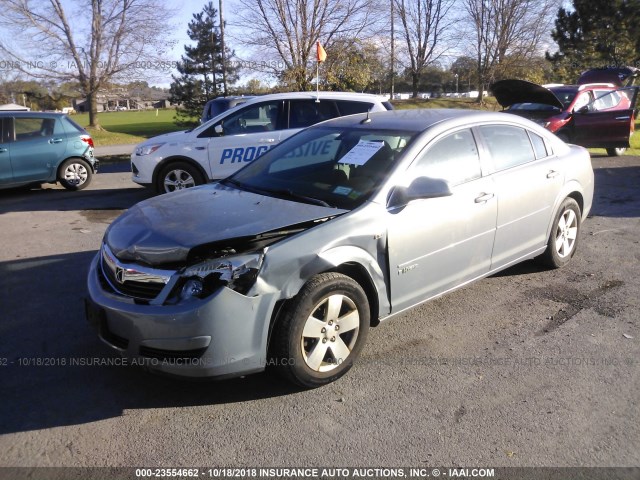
(322, 55)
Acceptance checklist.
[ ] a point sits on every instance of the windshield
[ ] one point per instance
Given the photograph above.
(565, 95)
(325, 166)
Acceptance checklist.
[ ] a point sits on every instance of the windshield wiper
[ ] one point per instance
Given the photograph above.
(288, 193)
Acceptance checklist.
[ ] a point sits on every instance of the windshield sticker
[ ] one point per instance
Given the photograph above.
(361, 153)
(342, 190)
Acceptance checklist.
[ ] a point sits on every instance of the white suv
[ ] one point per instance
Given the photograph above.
(225, 143)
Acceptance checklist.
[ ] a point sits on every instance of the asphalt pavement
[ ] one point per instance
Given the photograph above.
(530, 367)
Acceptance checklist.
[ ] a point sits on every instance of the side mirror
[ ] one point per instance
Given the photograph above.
(219, 129)
(420, 188)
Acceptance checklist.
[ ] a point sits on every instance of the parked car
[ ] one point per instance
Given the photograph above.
(342, 226)
(39, 147)
(598, 112)
(219, 105)
(225, 143)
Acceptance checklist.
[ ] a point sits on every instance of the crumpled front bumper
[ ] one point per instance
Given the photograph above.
(223, 335)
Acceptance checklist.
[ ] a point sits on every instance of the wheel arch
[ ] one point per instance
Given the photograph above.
(353, 270)
(175, 159)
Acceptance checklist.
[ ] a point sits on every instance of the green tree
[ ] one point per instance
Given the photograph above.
(200, 68)
(595, 33)
(352, 65)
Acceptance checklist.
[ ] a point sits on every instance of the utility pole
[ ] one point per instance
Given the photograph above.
(224, 61)
(393, 53)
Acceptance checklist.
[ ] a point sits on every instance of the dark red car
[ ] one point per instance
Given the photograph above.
(598, 112)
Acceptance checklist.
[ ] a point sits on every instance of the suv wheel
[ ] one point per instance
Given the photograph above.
(178, 176)
(616, 152)
(75, 174)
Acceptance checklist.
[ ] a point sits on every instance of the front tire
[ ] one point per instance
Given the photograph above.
(615, 152)
(75, 174)
(322, 331)
(178, 176)
(565, 232)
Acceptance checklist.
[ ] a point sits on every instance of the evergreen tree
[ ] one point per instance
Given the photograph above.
(596, 33)
(200, 68)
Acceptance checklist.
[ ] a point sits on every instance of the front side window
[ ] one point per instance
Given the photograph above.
(326, 166)
(262, 117)
(453, 158)
(509, 146)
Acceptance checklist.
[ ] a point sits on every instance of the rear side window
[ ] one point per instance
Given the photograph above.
(509, 146)
(351, 108)
(453, 158)
(304, 113)
(29, 128)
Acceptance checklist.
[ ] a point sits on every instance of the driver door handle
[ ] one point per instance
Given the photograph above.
(552, 174)
(55, 140)
(200, 148)
(485, 197)
(267, 140)
(2, 150)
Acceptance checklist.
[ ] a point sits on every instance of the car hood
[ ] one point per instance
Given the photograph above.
(165, 137)
(510, 92)
(614, 75)
(164, 229)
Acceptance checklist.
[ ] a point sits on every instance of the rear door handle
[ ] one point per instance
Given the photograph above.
(200, 148)
(267, 140)
(2, 150)
(552, 174)
(485, 197)
(55, 140)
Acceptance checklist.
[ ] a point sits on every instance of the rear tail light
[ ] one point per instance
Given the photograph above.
(87, 139)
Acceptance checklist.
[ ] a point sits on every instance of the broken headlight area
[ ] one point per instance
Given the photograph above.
(238, 272)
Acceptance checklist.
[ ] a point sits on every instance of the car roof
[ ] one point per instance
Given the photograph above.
(20, 113)
(318, 95)
(418, 120)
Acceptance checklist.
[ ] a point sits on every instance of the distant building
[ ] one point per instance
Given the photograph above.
(14, 107)
(122, 99)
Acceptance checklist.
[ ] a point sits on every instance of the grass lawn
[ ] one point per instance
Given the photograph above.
(129, 126)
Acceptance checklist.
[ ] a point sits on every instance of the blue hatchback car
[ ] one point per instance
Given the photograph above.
(41, 147)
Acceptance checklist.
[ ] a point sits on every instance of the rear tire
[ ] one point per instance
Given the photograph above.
(616, 152)
(178, 176)
(75, 174)
(322, 330)
(563, 239)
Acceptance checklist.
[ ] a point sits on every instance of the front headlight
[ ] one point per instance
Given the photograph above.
(237, 272)
(148, 149)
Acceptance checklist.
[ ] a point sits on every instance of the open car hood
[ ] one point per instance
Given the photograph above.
(619, 76)
(165, 229)
(510, 92)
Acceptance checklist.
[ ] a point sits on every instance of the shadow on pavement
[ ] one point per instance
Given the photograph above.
(43, 327)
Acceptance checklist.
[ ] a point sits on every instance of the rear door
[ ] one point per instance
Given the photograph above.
(37, 147)
(527, 181)
(608, 120)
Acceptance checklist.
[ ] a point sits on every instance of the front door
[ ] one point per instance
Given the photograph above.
(608, 121)
(438, 243)
(245, 135)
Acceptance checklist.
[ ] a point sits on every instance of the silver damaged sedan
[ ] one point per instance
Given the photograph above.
(289, 261)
